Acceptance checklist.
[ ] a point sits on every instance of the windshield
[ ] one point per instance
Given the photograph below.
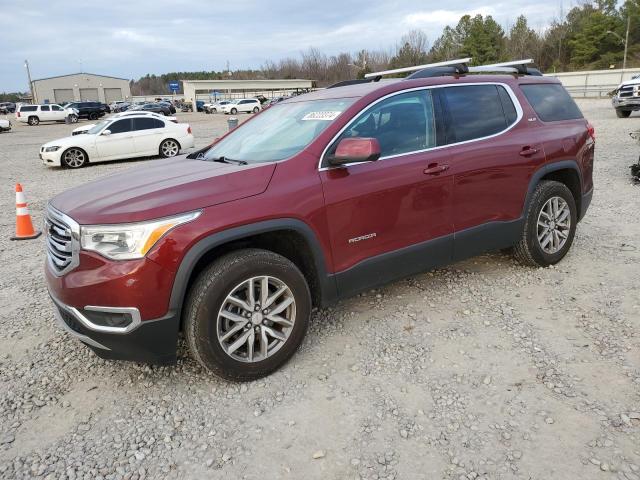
(97, 127)
(280, 132)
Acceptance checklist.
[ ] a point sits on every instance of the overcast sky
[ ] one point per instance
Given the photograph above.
(130, 39)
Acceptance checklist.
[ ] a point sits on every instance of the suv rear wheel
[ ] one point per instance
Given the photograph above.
(623, 113)
(550, 225)
(247, 314)
(93, 116)
(33, 120)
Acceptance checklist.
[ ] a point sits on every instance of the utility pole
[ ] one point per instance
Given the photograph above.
(626, 42)
(33, 95)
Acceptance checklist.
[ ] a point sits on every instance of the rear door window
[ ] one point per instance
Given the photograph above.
(147, 123)
(551, 102)
(477, 111)
(44, 108)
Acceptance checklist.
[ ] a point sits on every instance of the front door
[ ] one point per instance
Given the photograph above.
(119, 144)
(391, 217)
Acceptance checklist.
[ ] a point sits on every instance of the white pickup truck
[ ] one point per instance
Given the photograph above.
(626, 97)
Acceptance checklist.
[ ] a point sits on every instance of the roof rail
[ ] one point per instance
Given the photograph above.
(462, 62)
(344, 83)
(515, 66)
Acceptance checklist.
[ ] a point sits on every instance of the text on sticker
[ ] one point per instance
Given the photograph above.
(321, 116)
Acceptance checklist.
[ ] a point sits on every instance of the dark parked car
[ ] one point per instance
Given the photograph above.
(172, 108)
(90, 110)
(160, 108)
(7, 107)
(316, 199)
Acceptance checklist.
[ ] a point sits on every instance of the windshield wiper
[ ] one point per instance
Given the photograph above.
(230, 160)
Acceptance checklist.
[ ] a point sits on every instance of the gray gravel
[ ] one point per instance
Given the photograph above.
(482, 370)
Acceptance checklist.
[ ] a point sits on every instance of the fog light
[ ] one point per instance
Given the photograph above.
(108, 319)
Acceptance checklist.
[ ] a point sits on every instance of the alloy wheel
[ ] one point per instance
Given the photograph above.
(169, 148)
(256, 319)
(74, 158)
(554, 225)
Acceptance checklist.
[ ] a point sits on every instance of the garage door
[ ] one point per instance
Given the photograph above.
(62, 95)
(89, 94)
(112, 95)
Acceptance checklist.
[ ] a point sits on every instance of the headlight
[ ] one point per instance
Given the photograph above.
(51, 149)
(129, 241)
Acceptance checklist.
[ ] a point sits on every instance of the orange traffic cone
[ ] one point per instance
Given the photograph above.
(24, 227)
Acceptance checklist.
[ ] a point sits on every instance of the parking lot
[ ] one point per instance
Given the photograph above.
(485, 369)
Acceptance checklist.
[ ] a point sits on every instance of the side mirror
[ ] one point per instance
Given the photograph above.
(106, 132)
(356, 150)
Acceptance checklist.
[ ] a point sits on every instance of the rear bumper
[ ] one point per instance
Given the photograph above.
(151, 341)
(584, 205)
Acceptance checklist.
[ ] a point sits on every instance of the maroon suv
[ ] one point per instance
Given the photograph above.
(315, 199)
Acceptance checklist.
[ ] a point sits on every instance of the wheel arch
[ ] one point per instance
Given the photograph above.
(566, 172)
(291, 238)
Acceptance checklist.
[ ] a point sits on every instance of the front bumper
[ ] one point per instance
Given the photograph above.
(628, 103)
(151, 341)
(51, 159)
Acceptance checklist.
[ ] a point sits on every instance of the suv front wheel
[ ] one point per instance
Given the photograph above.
(247, 314)
(623, 113)
(550, 225)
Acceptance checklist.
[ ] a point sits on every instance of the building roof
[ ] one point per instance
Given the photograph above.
(80, 73)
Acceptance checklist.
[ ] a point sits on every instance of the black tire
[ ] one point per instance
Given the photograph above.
(234, 111)
(214, 110)
(73, 118)
(256, 110)
(165, 151)
(206, 298)
(33, 120)
(93, 116)
(529, 250)
(623, 113)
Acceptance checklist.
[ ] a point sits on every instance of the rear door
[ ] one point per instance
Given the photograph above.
(45, 113)
(119, 144)
(493, 154)
(147, 135)
(391, 217)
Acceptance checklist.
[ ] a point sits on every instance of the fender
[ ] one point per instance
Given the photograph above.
(545, 170)
(326, 282)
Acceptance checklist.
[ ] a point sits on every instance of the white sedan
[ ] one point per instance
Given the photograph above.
(116, 138)
(85, 128)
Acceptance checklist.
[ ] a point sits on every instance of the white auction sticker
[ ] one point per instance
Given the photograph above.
(321, 116)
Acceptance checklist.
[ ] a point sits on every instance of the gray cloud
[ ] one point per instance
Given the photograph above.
(130, 39)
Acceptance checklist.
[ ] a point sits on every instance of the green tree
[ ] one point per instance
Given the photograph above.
(522, 42)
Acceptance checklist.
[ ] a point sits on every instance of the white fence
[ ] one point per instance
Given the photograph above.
(594, 83)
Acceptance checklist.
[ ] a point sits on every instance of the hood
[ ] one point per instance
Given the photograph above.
(162, 188)
(69, 141)
(633, 81)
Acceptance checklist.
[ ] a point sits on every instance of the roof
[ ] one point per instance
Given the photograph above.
(386, 86)
(80, 73)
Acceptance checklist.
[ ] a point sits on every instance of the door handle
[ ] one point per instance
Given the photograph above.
(528, 151)
(435, 169)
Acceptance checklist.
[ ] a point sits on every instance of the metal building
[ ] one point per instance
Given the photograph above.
(77, 87)
(229, 89)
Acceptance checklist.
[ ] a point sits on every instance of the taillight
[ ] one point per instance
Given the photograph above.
(18, 114)
(592, 131)
(189, 129)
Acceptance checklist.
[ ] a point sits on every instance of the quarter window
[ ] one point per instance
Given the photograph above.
(402, 123)
(551, 102)
(121, 126)
(477, 111)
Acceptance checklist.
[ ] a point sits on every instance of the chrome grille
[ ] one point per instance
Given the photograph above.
(62, 240)
(626, 91)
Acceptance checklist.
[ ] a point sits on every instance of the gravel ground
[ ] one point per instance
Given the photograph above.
(483, 370)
